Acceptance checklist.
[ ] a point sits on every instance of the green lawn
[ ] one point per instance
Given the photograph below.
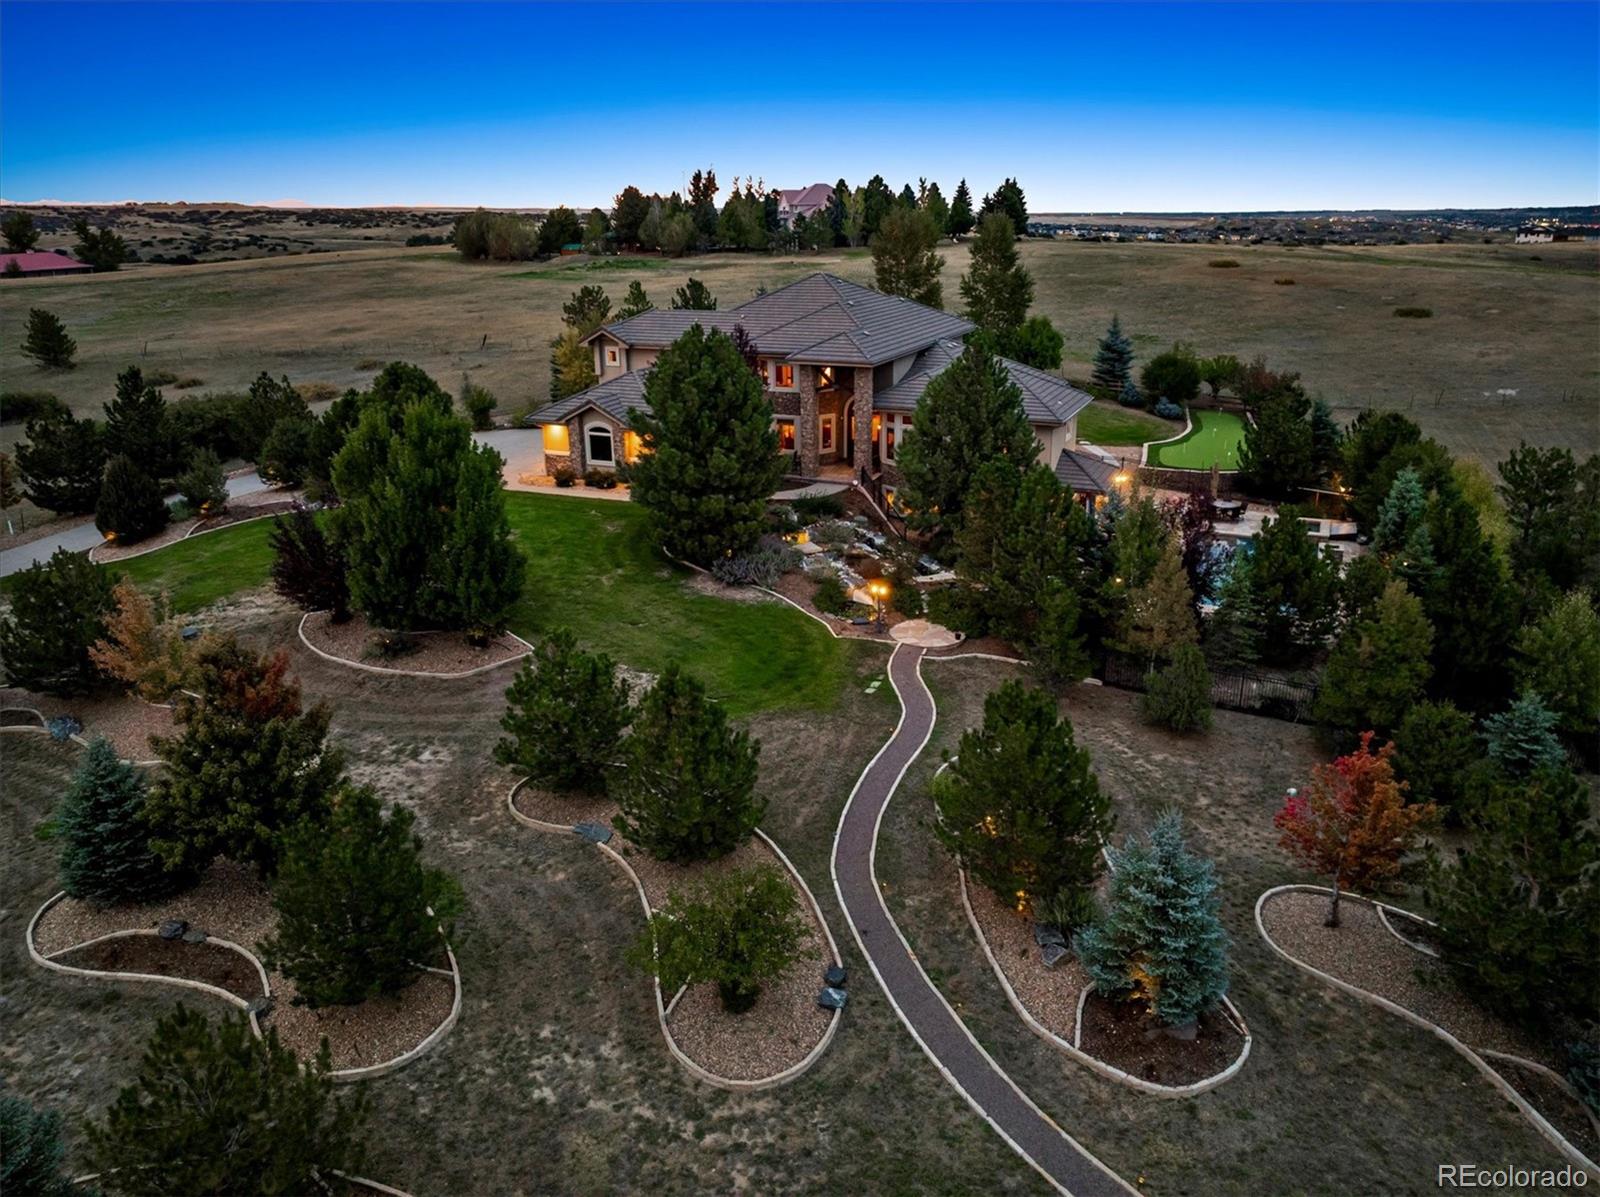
(1214, 440)
(1106, 424)
(591, 568)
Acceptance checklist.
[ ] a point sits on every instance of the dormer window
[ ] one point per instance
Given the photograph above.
(612, 357)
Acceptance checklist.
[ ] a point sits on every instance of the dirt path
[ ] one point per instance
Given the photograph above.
(937, 1029)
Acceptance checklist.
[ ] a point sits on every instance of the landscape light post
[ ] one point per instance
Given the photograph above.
(879, 590)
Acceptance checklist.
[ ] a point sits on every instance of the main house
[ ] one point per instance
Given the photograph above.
(843, 366)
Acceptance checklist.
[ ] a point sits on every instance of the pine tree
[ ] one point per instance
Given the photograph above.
(1522, 738)
(138, 425)
(1351, 823)
(687, 781)
(20, 233)
(308, 568)
(1235, 630)
(1179, 696)
(709, 453)
(215, 1110)
(359, 914)
(33, 1163)
(905, 261)
(636, 302)
(58, 610)
(1469, 600)
(587, 310)
(481, 568)
(272, 402)
(1434, 751)
(1379, 667)
(694, 296)
(996, 289)
(1160, 940)
(961, 217)
(736, 931)
(1159, 615)
(285, 457)
(248, 763)
(1008, 200)
(61, 463)
(1560, 659)
(105, 840)
(1019, 805)
(101, 248)
(566, 712)
(932, 202)
(130, 507)
(970, 414)
(1296, 584)
(204, 485)
(1278, 455)
(47, 342)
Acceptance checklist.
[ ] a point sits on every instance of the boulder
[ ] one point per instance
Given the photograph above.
(172, 929)
(595, 833)
(1053, 954)
(835, 976)
(1046, 933)
(832, 999)
(195, 935)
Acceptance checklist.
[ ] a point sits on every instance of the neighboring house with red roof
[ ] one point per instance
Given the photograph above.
(37, 263)
(843, 367)
(807, 202)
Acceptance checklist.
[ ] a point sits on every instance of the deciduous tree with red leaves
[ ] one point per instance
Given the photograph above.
(1351, 822)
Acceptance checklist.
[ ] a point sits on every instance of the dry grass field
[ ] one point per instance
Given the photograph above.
(1510, 352)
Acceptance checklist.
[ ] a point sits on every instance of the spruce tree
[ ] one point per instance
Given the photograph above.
(1179, 696)
(996, 289)
(970, 414)
(1019, 805)
(566, 711)
(308, 568)
(709, 453)
(687, 780)
(1402, 512)
(1469, 600)
(215, 1110)
(932, 202)
(905, 261)
(61, 463)
(1522, 738)
(33, 1161)
(961, 217)
(1160, 940)
(481, 568)
(47, 342)
(359, 914)
(1113, 362)
(130, 507)
(138, 425)
(58, 611)
(1379, 667)
(104, 836)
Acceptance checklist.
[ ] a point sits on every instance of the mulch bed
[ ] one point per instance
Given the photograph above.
(798, 587)
(434, 652)
(1564, 1111)
(231, 903)
(243, 507)
(1126, 1037)
(785, 1024)
(1050, 995)
(126, 720)
(215, 965)
(992, 645)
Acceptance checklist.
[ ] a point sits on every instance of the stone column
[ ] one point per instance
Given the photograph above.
(863, 430)
(805, 430)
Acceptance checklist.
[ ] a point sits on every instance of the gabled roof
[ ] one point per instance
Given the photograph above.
(1046, 399)
(820, 319)
(615, 397)
(1083, 474)
(807, 199)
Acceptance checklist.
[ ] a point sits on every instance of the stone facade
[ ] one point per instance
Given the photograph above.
(863, 429)
(806, 431)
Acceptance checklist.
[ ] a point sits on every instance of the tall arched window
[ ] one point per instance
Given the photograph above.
(599, 446)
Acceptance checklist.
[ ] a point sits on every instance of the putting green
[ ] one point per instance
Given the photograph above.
(1214, 440)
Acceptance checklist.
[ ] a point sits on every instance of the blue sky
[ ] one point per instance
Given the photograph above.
(1098, 107)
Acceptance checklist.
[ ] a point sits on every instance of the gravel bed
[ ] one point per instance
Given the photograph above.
(1050, 995)
(126, 720)
(1564, 1111)
(231, 903)
(211, 963)
(1126, 1037)
(785, 1024)
(1363, 953)
(435, 652)
(106, 552)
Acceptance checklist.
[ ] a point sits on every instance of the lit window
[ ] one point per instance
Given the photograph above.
(599, 446)
(894, 431)
(555, 439)
(611, 356)
(786, 435)
(826, 424)
(631, 447)
(783, 376)
(824, 377)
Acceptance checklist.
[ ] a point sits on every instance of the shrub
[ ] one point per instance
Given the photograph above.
(1413, 313)
(959, 608)
(143, 644)
(1223, 263)
(358, 912)
(1160, 940)
(1179, 696)
(58, 611)
(1283, 282)
(32, 1163)
(564, 474)
(1174, 374)
(600, 479)
(308, 567)
(1068, 910)
(829, 596)
(130, 507)
(1020, 806)
(1434, 749)
(478, 403)
(835, 532)
(1583, 1071)
(203, 485)
(285, 457)
(213, 1109)
(1129, 395)
(761, 566)
(737, 931)
(565, 714)
(687, 782)
(104, 838)
(905, 596)
(811, 508)
(18, 407)
(1167, 409)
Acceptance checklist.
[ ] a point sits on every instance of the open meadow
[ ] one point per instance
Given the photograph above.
(1508, 353)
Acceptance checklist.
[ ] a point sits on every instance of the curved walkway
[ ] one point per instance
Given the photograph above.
(959, 1057)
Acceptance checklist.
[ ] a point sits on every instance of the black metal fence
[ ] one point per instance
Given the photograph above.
(1273, 695)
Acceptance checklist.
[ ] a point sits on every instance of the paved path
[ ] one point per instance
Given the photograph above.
(932, 1023)
(81, 537)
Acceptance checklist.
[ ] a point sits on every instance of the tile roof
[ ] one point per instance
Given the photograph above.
(1082, 473)
(615, 397)
(1046, 399)
(808, 199)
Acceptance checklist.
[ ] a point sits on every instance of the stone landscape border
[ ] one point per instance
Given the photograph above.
(1188, 426)
(197, 530)
(365, 1072)
(44, 730)
(1474, 1056)
(783, 598)
(383, 669)
(663, 1009)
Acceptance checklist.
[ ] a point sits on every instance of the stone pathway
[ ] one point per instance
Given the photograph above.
(940, 1033)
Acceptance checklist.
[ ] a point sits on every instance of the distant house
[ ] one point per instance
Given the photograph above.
(1534, 235)
(807, 202)
(41, 263)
